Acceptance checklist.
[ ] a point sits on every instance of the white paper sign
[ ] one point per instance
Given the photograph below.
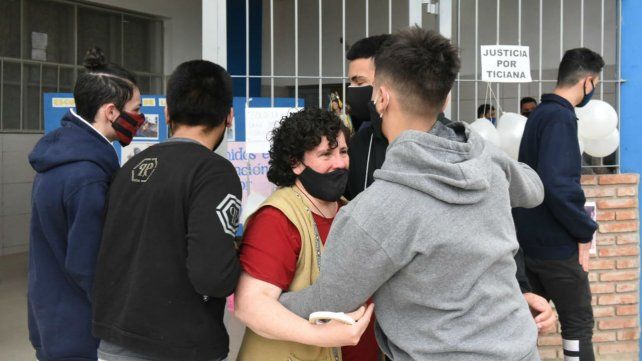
(505, 64)
(259, 123)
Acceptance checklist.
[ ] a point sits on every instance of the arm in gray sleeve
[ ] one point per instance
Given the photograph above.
(525, 187)
(353, 267)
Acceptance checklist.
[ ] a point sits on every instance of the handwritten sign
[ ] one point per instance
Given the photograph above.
(259, 123)
(505, 64)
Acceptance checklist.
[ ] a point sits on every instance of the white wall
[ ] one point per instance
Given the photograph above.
(182, 28)
(16, 177)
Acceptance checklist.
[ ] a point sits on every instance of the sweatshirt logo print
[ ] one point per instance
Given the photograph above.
(228, 212)
(144, 170)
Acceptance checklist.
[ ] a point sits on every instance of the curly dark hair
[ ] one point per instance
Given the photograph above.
(297, 133)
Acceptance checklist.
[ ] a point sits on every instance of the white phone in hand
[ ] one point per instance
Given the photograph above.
(325, 316)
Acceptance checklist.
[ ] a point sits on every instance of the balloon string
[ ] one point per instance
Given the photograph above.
(492, 94)
(486, 97)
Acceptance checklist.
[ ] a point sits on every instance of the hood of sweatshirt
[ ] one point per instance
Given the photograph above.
(74, 141)
(444, 163)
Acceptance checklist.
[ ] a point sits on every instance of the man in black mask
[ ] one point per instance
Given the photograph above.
(368, 146)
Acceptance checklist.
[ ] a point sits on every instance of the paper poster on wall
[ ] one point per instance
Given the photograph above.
(251, 168)
(230, 132)
(591, 210)
(149, 129)
(128, 152)
(505, 64)
(259, 123)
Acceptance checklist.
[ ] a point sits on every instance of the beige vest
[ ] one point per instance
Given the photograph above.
(256, 348)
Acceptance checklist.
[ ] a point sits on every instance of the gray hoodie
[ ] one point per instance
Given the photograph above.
(433, 240)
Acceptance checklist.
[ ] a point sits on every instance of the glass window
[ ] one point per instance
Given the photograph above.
(49, 31)
(31, 97)
(11, 96)
(142, 44)
(10, 28)
(43, 45)
(102, 29)
(67, 80)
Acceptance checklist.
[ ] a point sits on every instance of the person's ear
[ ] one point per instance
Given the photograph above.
(297, 167)
(166, 115)
(109, 112)
(230, 119)
(384, 99)
(448, 98)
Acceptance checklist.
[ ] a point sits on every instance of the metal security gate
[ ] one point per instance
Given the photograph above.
(318, 29)
(304, 43)
(549, 28)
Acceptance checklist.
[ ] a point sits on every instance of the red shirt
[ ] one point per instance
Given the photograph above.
(270, 250)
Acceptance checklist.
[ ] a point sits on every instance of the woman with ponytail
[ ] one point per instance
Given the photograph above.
(74, 166)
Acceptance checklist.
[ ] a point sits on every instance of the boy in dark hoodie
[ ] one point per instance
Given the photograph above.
(74, 166)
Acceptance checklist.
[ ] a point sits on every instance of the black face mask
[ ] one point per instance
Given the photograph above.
(526, 114)
(358, 98)
(325, 186)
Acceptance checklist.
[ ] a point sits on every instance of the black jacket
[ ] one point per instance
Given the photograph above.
(549, 145)
(167, 259)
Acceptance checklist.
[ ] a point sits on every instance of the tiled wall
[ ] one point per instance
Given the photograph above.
(16, 178)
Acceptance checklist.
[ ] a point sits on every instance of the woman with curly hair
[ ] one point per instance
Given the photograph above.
(284, 240)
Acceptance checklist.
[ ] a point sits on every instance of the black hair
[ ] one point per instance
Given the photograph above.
(101, 83)
(199, 93)
(525, 100)
(297, 133)
(421, 65)
(576, 64)
(367, 47)
(483, 109)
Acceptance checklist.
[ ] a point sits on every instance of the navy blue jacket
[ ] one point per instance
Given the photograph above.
(549, 145)
(74, 166)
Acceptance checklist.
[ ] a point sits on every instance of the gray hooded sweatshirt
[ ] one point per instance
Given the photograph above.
(433, 240)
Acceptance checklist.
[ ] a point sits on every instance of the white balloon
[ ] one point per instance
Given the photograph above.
(486, 129)
(251, 205)
(597, 119)
(511, 128)
(604, 146)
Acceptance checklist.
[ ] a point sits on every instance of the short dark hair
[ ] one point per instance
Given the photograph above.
(367, 47)
(525, 100)
(576, 64)
(101, 83)
(421, 65)
(483, 109)
(199, 93)
(297, 133)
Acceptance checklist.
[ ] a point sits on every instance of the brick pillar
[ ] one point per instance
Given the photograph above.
(614, 270)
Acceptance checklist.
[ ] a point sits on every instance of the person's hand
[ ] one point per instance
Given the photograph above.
(337, 334)
(542, 312)
(584, 255)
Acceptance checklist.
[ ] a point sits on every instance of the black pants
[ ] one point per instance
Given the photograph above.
(566, 283)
